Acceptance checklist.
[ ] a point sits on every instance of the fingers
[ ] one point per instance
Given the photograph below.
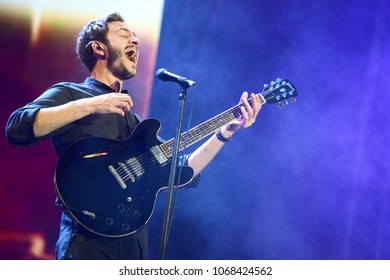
(247, 110)
(256, 104)
(251, 109)
(124, 102)
(119, 103)
(112, 103)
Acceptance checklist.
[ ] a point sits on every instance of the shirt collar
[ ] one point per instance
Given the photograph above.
(99, 86)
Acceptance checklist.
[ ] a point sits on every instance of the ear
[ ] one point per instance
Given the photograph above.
(98, 48)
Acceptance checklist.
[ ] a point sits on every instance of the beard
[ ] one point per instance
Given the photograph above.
(116, 65)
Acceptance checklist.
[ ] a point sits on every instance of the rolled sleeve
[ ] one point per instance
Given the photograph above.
(20, 126)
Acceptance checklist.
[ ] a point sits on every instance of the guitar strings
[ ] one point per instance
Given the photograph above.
(148, 159)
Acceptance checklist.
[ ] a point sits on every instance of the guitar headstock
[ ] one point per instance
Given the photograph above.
(278, 91)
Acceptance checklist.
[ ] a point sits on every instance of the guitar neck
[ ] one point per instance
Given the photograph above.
(206, 128)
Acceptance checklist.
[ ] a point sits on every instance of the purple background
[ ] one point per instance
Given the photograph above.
(308, 181)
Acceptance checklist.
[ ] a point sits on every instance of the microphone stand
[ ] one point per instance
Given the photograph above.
(171, 183)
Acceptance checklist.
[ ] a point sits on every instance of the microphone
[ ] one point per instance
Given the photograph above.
(165, 75)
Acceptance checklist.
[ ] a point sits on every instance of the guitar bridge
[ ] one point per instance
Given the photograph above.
(117, 177)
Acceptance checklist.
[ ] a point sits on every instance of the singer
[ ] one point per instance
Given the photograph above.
(67, 112)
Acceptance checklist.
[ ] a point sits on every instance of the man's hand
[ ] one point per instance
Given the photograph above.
(248, 115)
(118, 103)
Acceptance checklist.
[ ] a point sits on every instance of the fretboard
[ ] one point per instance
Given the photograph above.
(206, 128)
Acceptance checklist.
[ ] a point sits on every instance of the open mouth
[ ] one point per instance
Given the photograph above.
(131, 55)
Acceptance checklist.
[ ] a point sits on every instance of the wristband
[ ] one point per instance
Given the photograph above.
(222, 138)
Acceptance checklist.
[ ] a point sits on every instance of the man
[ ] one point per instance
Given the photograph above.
(68, 112)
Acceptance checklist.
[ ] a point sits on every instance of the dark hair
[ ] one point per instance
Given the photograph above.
(95, 30)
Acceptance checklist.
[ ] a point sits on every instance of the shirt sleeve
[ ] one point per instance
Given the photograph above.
(20, 125)
(19, 128)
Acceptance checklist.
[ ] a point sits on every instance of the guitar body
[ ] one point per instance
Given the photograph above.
(110, 187)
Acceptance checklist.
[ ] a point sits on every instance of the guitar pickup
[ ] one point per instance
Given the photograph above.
(136, 167)
(159, 155)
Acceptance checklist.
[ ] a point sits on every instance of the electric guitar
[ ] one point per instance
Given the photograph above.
(110, 187)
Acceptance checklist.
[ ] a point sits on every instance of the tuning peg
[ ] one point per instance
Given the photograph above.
(265, 86)
(280, 104)
(277, 81)
(293, 99)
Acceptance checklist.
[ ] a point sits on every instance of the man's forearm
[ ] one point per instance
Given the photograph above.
(50, 119)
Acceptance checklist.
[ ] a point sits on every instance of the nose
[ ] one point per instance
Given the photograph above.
(134, 40)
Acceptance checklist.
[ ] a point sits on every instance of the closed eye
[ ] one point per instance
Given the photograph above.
(126, 33)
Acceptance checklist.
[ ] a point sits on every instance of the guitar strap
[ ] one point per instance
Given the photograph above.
(131, 121)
